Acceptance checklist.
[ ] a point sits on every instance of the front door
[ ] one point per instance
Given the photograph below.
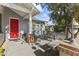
(14, 28)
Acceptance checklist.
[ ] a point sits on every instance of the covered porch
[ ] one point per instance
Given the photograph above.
(22, 12)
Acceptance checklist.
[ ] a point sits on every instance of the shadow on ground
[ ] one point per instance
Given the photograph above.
(46, 51)
(41, 53)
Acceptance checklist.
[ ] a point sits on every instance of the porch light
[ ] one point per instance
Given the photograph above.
(73, 28)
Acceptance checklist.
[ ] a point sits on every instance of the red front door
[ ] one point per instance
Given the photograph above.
(14, 28)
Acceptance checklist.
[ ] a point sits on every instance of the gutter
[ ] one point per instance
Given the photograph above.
(35, 8)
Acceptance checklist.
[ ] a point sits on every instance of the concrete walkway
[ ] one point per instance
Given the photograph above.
(13, 48)
(16, 48)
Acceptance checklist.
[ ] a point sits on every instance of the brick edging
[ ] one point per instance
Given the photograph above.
(68, 50)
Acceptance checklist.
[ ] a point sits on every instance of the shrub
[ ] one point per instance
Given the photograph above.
(1, 51)
(54, 52)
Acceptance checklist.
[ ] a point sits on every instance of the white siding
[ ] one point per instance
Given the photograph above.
(22, 23)
(1, 11)
(7, 13)
(24, 26)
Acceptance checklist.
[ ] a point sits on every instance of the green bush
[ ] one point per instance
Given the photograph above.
(54, 52)
(59, 28)
(1, 51)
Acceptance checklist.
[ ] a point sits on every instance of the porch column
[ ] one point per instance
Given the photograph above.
(30, 23)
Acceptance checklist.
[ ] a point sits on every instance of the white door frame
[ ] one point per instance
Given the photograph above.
(18, 25)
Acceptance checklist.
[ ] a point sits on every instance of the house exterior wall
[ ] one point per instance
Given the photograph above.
(38, 28)
(7, 13)
(27, 26)
(1, 9)
(24, 25)
(1, 12)
(1, 34)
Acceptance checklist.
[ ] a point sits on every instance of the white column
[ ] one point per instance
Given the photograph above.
(30, 23)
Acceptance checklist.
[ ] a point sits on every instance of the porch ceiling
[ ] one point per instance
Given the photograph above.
(25, 15)
(29, 6)
(22, 9)
(16, 7)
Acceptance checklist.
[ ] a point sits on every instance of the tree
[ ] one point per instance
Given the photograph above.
(76, 12)
(62, 14)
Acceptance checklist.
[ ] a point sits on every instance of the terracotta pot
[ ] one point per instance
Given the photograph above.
(29, 39)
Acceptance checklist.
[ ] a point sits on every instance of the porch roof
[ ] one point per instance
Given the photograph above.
(16, 7)
(23, 9)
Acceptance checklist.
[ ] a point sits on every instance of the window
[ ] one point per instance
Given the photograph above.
(0, 23)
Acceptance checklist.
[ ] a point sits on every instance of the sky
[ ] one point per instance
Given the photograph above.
(43, 15)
